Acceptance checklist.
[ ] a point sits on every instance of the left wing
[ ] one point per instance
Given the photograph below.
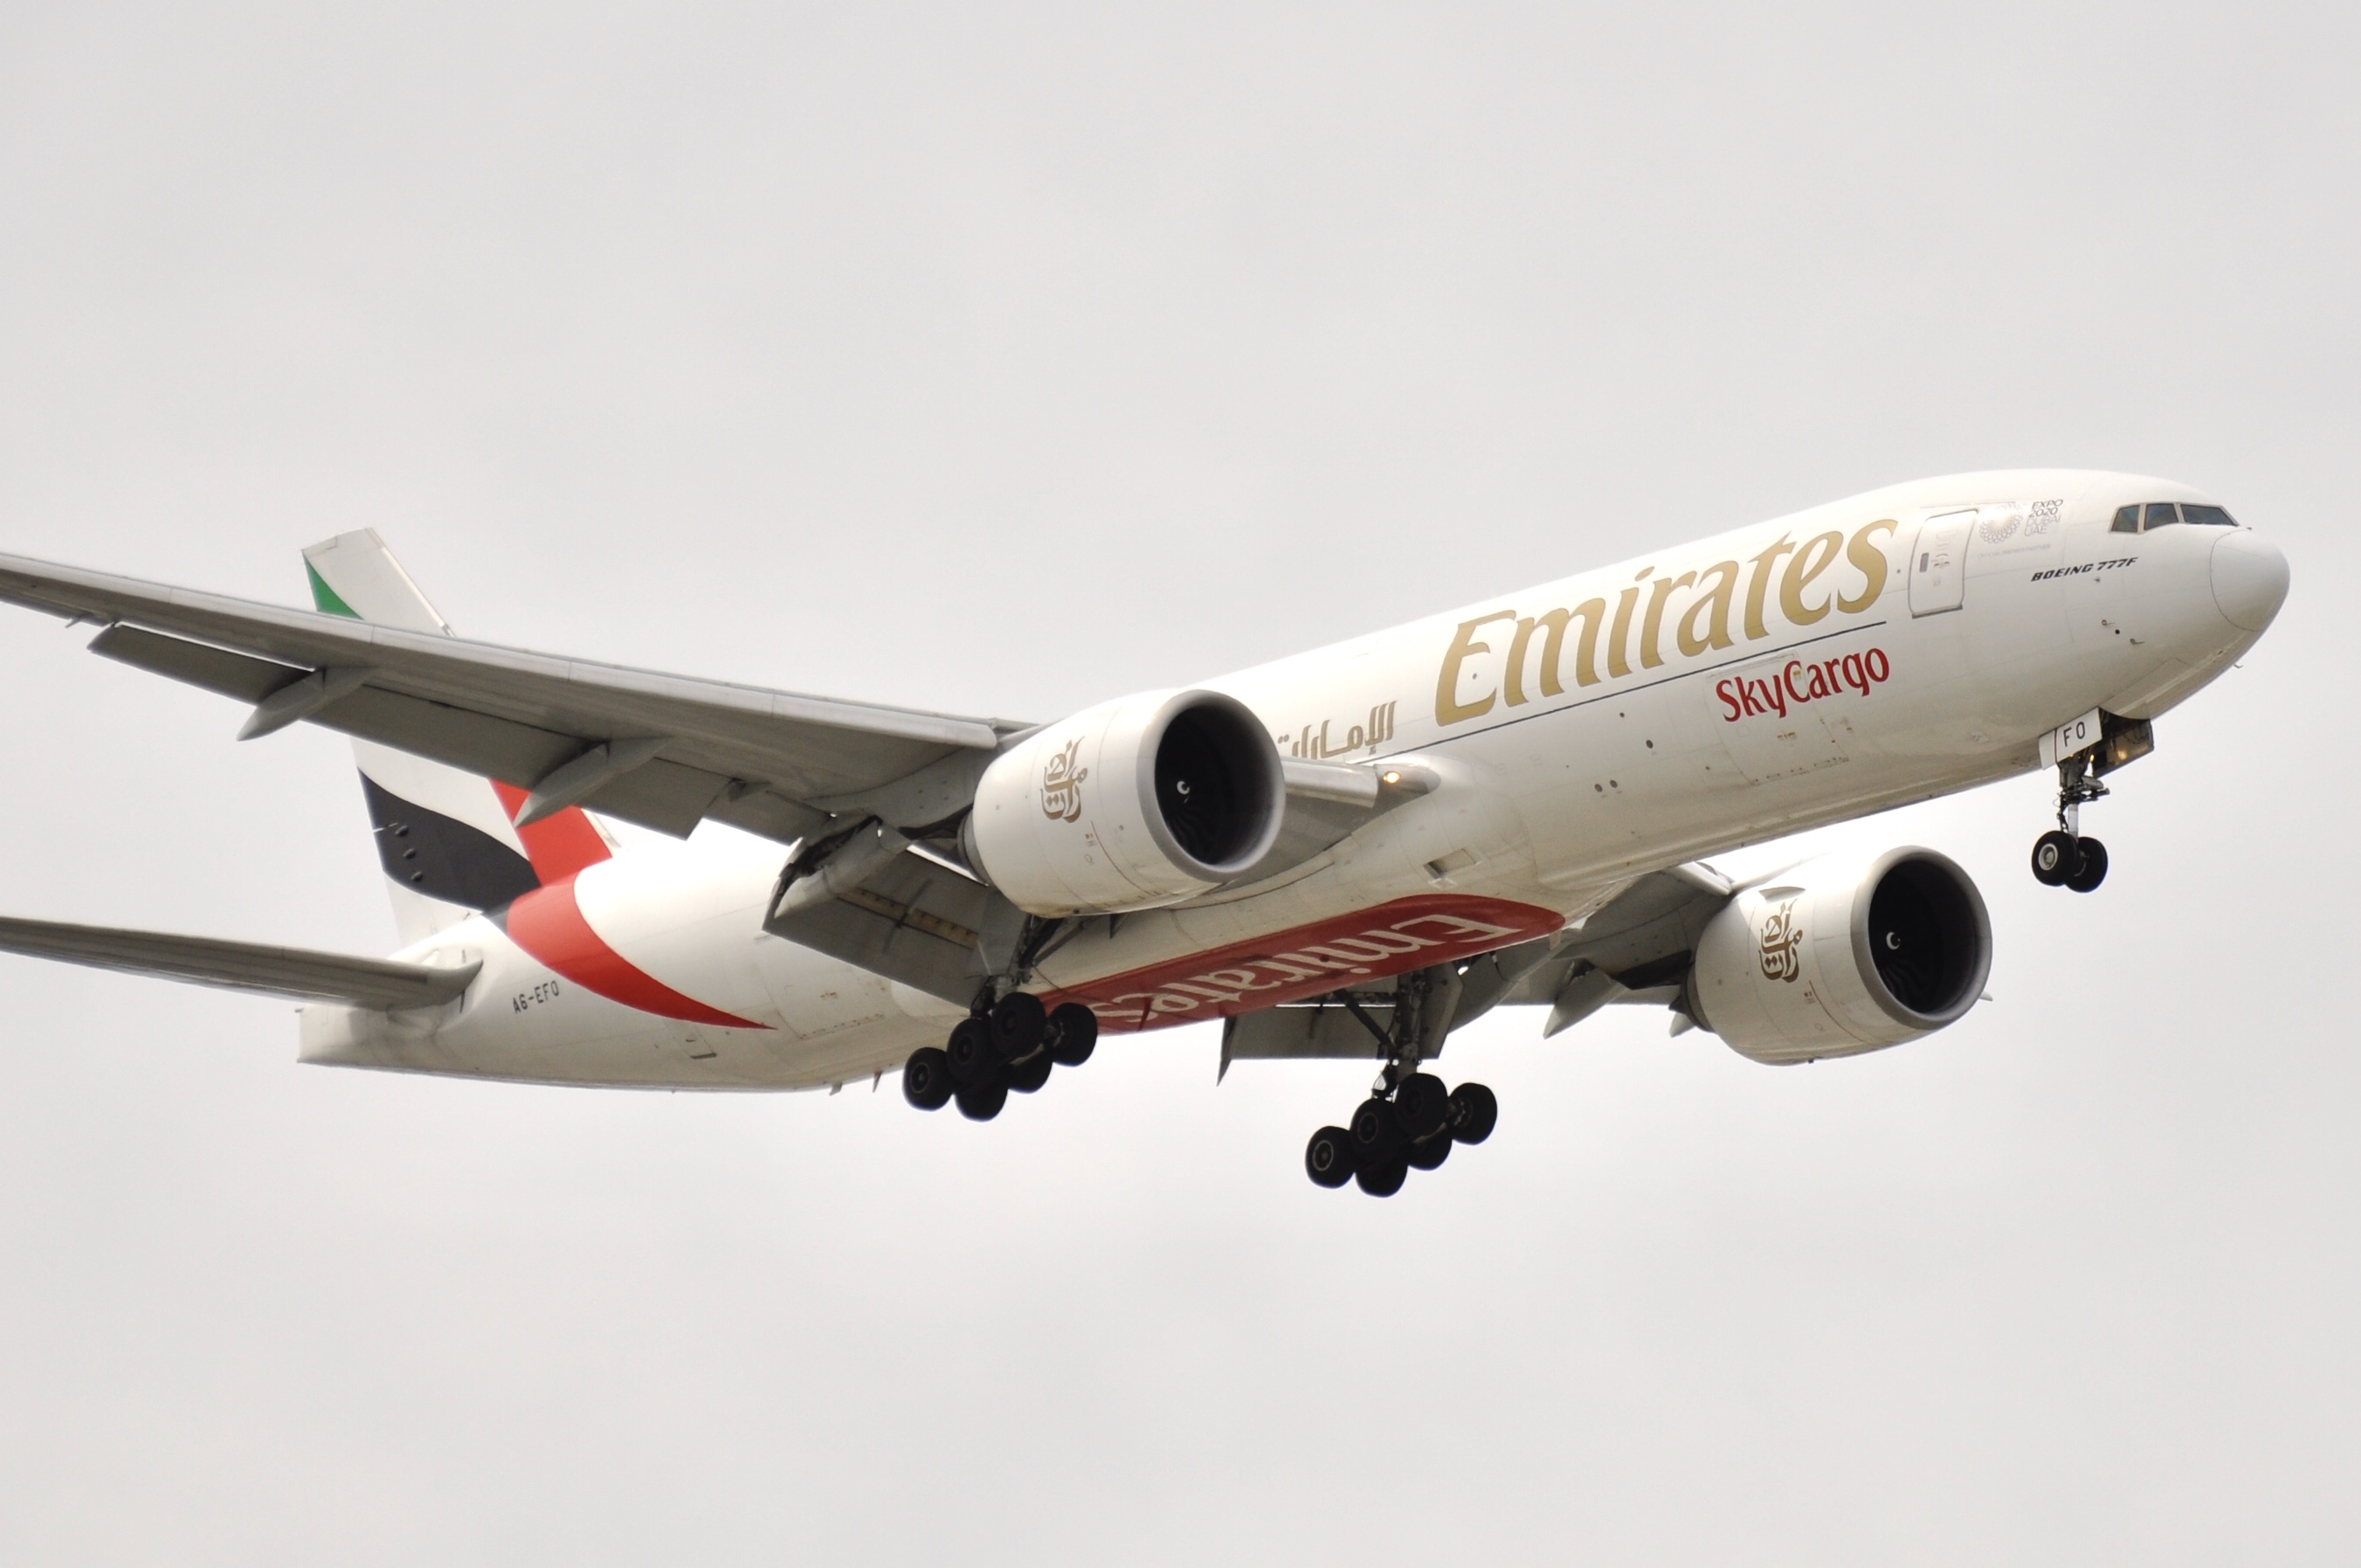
(666, 751)
(661, 750)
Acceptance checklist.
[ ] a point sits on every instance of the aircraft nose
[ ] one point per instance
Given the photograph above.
(2250, 579)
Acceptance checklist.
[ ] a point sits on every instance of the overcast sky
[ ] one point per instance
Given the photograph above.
(1004, 363)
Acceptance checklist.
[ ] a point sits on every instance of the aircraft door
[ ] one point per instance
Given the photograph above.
(1939, 562)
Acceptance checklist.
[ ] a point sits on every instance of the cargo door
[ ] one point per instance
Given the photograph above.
(1939, 564)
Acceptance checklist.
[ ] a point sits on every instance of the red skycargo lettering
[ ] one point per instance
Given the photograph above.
(1802, 681)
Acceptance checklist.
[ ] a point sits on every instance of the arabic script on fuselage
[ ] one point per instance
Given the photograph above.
(1368, 735)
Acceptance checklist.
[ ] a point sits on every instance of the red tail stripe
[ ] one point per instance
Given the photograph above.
(557, 844)
(548, 924)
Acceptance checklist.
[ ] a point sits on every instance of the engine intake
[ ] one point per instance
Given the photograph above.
(1842, 955)
(1134, 803)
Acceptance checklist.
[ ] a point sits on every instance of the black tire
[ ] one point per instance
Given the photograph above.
(1026, 1076)
(1073, 1034)
(970, 1053)
(926, 1079)
(2092, 869)
(2055, 858)
(1384, 1178)
(1375, 1132)
(1474, 1110)
(1017, 1021)
(1328, 1157)
(1423, 1104)
(982, 1102)
(1430, 1154)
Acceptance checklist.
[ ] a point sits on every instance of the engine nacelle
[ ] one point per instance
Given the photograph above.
(1128, 806)
(1844, 955)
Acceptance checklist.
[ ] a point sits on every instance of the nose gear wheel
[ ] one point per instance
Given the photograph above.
(2063, 857)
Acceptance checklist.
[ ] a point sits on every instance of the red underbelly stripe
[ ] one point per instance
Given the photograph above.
(1309, 961)
(547, 923)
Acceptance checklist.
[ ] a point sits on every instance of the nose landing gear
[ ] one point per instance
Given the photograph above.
(2064, 858)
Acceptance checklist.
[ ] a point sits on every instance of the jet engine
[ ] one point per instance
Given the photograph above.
(1135, 804)
(1843, 955)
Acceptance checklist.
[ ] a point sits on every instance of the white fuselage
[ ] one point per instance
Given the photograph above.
(1677, 705)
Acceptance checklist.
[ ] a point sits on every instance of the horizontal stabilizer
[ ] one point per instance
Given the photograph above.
(376, 983)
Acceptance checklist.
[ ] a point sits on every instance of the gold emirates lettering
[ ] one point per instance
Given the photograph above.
(1702, 624)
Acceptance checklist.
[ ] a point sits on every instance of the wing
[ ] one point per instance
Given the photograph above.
(666, 751)
(1637, 947)
(662, 751)
(238, 966)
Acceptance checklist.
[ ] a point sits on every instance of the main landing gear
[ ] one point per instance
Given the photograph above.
(1410, 1121)
(1405, 1126)
(2064, 858)
(1012, 1044)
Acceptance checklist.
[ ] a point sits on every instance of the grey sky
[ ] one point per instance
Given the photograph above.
(1004, 363)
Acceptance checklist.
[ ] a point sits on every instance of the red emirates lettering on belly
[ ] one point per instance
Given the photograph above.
(1245, 977)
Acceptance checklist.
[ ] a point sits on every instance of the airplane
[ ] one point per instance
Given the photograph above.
(1345, 854)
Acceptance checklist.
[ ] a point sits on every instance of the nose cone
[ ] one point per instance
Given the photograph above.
(2250, 579)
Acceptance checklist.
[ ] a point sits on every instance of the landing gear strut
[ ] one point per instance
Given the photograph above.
(1410, 1121)
(1011, 1043)
(2064, 858)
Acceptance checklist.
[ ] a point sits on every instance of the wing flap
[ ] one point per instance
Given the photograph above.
(1315, 1031)
(376, 983)
(667, 796)
(442, 732)
(911, 920)
(176, 658)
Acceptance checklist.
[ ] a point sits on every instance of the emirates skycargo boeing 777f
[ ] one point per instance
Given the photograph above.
(1348, 853)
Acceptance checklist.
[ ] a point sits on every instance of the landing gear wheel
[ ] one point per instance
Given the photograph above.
(926, 1079)
(1384, 1178)
(969, 1052)
(1423, 1104)
(1017, 1021)
(1376, 1135)
(2093, 869)
(1026, 1076)
(1474, 1109)
(1328, 1158)
(1073, 1034)
(1430, 1154)
(981, 1101)
(2055, 857)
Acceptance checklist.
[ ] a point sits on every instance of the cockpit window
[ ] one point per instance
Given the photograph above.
(2161, 514)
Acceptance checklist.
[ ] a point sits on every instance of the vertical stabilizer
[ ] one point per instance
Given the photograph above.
(356, 575)
(446, 837)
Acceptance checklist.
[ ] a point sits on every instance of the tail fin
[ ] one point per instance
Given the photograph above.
(447, 838)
